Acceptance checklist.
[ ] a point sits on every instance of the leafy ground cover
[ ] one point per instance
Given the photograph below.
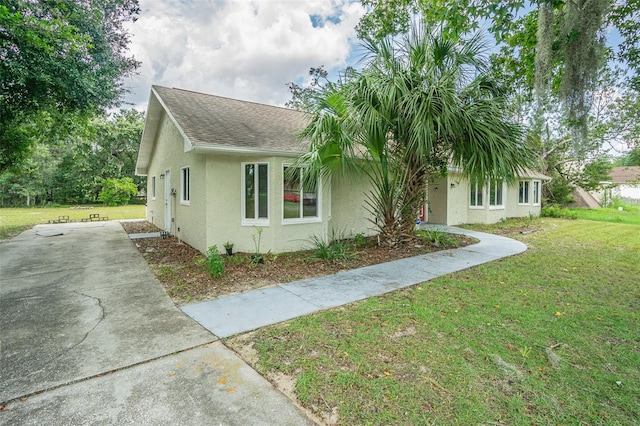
(628, 214)
(15, 220)
(183, 270)
(546, 337)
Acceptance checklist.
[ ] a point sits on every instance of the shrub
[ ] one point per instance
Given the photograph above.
(437, 238)
(117, 192)
(333, 248)
(558, 212)
(215, 262)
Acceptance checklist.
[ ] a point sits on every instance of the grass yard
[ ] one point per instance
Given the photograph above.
(629, 214)
(551, 336)
(16, 220)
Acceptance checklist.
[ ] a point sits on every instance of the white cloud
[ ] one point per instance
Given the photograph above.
(241, 49)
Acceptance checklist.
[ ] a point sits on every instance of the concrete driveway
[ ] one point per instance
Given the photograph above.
(88, 336)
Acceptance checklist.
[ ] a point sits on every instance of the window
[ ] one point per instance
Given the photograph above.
(536, 192)
(185, 196)
(495, 193)
(255, 203)
(298, 202)
(153, 187)
(523, 192)
(476, 195)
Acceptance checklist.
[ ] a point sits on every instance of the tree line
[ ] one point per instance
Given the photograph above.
(74, 168)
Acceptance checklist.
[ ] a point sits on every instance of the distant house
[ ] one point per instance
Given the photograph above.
(625, 184)
(216, 166)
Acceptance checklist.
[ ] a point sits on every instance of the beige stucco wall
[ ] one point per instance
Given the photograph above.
(349, 213)
(437, 202)
(224, 218)
(458, 199)
(514, 209)
(450, 204)
(169, 155)
(213, 215)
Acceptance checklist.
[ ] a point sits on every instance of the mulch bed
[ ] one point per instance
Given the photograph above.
(182, 269)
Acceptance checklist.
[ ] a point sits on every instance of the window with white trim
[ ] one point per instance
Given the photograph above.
(476, 195)
(496, 193)
(523, 192)
(153, 187)
(255, 195)
(185, 189)
(536, 192)
(299, 203)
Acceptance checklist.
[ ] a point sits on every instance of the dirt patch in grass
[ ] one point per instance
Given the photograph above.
(183, 272)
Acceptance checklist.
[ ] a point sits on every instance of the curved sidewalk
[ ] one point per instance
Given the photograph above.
(239, 313)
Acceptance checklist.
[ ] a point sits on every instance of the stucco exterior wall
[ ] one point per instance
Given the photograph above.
(224, 216)
(458, 199)
(169, 155)
(348, 213)
(437, 202)
(515, 209)
(168, 144)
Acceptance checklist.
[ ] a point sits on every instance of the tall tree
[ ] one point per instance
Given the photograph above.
(421, 103)
(566, 48)
(71, 168)
(58, 57)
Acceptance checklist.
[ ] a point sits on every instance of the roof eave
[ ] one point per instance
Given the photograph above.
(227, 150)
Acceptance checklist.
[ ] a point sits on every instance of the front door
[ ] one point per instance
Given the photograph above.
(167, 200)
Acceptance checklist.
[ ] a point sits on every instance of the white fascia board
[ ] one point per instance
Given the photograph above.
(243, 151)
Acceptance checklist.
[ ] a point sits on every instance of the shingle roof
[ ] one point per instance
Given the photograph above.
(624, 174)
(215, 121)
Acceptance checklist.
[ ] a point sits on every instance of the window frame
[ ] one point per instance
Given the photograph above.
(302, 218)
(185, 186)
(536, 189)
(153, 187)
(493, 186)
(526, 193)
(258, 221)
(474, 189)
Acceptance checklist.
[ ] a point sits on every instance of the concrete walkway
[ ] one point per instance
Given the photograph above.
(89, 336)
(239, 313)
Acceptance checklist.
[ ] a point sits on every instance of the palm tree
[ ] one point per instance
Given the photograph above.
(420, 104)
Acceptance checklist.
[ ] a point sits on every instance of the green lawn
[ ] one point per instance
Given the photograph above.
(628, 214)
(551, 336)
(15, 220)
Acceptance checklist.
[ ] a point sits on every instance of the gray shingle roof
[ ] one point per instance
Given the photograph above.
(214, 121)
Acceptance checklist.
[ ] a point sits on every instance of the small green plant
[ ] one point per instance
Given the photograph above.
(556, 211)
(437, 238)
(215, 263)
(360, 239)
(333, 248)
(228, 246)
(257, 257)
(237, 260)
(529, 220)
(525, 351)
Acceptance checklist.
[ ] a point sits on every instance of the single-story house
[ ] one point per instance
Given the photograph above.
(215, 171)
(625, 183)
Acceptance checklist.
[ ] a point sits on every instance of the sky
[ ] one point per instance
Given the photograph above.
(243, 49)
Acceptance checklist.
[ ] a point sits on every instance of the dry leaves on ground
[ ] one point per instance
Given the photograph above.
(182, 270)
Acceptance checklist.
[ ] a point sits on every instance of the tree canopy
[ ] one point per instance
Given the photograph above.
(421, 103)
(71, 168)
(59, 60)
